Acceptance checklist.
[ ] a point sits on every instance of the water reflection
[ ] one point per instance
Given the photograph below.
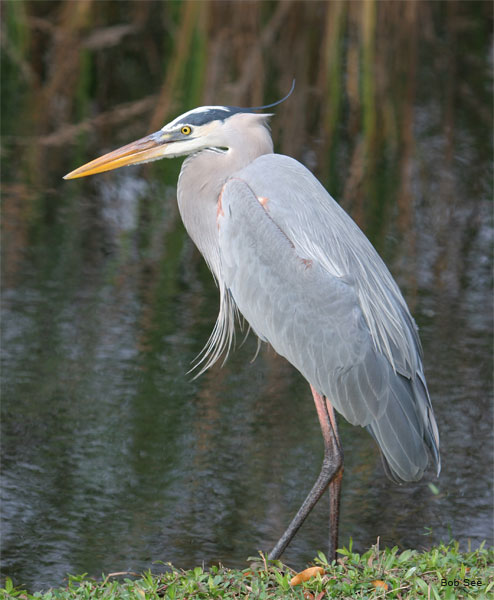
(112, 456)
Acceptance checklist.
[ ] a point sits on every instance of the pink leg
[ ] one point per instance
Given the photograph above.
(331, 473)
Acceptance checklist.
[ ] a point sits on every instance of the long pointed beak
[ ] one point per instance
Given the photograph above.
(146, 149)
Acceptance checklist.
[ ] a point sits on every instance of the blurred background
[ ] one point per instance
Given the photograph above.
(112, 456)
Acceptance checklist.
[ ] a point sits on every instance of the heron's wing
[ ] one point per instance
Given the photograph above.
(308, 315)
(304, 299)
(321, 229)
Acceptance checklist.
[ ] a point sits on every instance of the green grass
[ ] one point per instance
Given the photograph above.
(407, 575)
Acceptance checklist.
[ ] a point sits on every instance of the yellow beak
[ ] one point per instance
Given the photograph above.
(147, 148)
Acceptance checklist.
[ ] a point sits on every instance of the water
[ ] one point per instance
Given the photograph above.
(113, 457)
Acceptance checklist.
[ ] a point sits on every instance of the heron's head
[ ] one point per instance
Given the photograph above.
(218, 127)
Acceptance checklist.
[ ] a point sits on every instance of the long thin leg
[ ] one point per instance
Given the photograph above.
(334, 489)
(331, 473)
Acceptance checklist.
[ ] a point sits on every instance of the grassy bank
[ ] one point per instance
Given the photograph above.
(442, 572)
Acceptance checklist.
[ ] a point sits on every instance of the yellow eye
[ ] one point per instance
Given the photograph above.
(186, 130)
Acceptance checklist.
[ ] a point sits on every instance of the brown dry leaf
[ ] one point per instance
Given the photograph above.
(306, 575)
(377, 583)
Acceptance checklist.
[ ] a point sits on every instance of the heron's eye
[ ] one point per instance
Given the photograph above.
(186, 130)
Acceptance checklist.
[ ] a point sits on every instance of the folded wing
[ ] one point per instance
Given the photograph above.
(310, 283)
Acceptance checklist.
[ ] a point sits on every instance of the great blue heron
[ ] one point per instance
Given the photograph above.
(307, 281)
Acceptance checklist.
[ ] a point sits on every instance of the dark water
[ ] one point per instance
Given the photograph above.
(113, 457)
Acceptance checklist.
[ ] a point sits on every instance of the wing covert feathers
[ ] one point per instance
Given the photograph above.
(310, 283)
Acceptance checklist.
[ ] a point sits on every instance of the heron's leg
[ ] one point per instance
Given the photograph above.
(331, 472)
(334, 487)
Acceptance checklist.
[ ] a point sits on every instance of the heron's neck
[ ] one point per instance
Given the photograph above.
(200, 183)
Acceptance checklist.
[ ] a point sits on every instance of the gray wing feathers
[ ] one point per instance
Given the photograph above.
(310, 317)
(320, 228)
(306, 297)
(405, 432)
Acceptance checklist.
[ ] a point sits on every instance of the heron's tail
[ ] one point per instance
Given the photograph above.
(407, 431)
